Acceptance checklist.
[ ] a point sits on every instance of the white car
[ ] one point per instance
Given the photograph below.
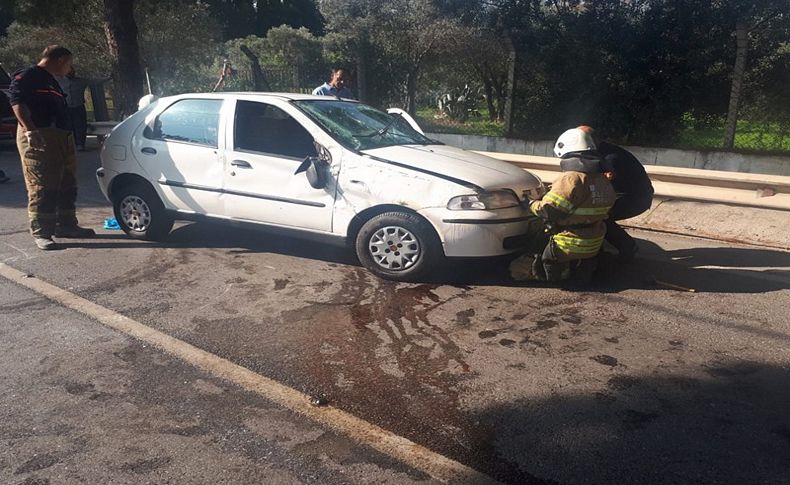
(314, 165)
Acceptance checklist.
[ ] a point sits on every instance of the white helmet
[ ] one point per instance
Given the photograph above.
(573, 140)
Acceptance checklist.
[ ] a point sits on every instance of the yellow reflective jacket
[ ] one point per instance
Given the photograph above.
(576, 206)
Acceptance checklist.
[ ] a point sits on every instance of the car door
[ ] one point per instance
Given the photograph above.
(266, 145)
(180, 151)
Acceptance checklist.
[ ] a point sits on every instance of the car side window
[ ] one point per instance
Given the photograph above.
(264, 128)
(190, 121)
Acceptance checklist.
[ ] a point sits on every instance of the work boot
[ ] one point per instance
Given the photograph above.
(523, 268)
(75, 232)
(46, 243)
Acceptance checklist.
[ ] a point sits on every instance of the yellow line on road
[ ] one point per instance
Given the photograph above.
(398, 447)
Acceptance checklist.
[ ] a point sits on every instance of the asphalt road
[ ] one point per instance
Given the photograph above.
(625, 382)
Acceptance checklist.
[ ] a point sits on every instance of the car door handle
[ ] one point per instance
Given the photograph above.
(148, 150)
(240, 164)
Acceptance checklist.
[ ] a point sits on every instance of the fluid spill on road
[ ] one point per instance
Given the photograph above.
(384, 351)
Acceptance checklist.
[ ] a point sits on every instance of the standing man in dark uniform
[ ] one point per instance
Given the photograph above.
(46, 147)
(634, 193)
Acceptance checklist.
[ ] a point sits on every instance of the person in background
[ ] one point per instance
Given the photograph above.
(46, 148)
(634, 193)
(336, 85)
(74, 88)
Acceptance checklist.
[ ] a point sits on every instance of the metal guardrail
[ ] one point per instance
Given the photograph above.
(735, 188)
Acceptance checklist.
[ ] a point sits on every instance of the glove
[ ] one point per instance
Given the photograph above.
(36, 140)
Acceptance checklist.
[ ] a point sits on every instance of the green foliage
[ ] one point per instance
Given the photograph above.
(432, 121)
(83, 35)
(179, 45)
(291, 58)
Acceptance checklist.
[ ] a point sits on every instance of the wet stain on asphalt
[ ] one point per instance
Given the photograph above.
(77, 388)
(546, 324)
(607, 360)
(146, 466)
(280, 284)
(376, 335)
(464, 317)
(37, 463)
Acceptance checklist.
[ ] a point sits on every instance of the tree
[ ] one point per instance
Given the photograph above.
(399, 35)
(121, 29)
(748, 19)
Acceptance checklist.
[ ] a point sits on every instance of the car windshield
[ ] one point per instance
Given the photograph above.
(361, 127)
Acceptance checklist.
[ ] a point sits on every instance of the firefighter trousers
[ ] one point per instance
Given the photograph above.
(50, 179)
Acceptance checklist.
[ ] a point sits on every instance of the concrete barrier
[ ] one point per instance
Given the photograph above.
(696, 159)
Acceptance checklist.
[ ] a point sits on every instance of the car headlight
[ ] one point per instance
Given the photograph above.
(500, 199)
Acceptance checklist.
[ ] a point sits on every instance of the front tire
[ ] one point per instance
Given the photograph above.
(141, 214)
(398, 246)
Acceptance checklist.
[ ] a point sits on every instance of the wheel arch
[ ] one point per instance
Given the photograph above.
(361, 218)
(124, 180)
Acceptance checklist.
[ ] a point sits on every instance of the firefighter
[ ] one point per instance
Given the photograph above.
(573, 214)
(46, 147)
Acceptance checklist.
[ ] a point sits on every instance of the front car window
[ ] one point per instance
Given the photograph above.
(189, 121)
(264, 128)
(361, 127)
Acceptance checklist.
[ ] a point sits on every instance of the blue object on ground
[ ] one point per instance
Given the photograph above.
(111, 223)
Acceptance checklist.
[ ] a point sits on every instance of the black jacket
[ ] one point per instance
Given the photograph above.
(630, 179)
(40, 92)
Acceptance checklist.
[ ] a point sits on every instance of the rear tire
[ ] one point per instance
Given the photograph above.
(399, 246)
(140, 213)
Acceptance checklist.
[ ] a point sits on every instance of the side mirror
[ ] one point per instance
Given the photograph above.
(316, 168)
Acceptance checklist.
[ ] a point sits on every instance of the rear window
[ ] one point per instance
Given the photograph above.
(189, 121)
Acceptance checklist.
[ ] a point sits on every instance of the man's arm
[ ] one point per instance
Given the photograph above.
(22, 114)
(34, 137)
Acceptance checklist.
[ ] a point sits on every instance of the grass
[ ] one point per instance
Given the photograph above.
(749, 136)
(426, 117)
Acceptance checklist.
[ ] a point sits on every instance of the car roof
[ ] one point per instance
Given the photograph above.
(288, 96)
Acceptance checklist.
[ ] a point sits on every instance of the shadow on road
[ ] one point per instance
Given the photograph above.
(729, 424)
(706, 270)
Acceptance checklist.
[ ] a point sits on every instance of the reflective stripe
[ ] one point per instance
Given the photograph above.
(592, 211)
(578, 245)
(559, 200)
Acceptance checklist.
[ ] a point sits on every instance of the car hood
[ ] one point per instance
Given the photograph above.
(446, 161)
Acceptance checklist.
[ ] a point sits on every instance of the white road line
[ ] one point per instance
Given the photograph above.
(398, 447)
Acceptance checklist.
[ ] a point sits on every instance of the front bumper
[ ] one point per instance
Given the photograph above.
(475, 234)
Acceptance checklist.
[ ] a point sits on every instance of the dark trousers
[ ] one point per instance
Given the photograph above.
(50, 179)
(79, 122)
(556, 268)
(625, 208)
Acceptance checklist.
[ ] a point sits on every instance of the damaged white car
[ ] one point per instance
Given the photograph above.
(310, 165)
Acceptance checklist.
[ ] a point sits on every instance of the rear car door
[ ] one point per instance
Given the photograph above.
(180, 151)
(266, 146)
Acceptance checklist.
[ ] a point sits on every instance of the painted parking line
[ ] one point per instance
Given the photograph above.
(416, 456)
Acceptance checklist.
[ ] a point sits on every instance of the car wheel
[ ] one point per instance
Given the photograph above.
(141, 214)
(398, 246)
